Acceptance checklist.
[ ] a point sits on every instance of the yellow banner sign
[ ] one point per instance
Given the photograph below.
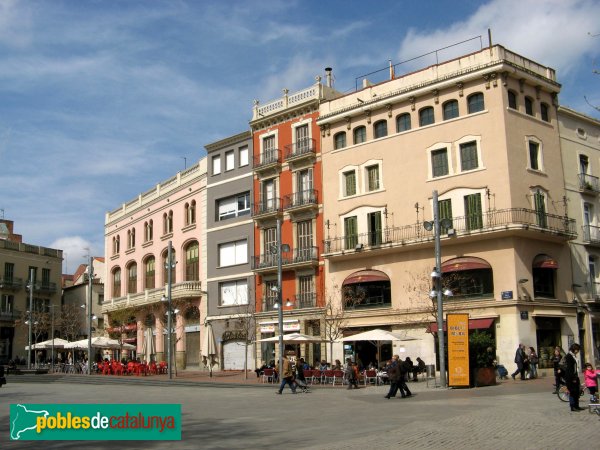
(458, 349)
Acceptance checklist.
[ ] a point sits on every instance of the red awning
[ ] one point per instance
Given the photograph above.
(544, 262)
(365, 276)
(474, 324)
(464, 263)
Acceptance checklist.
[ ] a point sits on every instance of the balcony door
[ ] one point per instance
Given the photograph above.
(304, 180)
(268, 195)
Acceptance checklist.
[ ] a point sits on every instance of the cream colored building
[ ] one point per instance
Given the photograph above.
(136, 238)
(17, 259)
(580, 143)
(482, 131)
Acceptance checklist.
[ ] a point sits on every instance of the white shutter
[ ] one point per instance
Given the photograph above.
(229, 161)
(242, 292)
(227, 254)
(241, 252)
(227, 208)
(243, 156)
(228, 293)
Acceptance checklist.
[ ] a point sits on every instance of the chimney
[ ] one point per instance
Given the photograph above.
(328, 77)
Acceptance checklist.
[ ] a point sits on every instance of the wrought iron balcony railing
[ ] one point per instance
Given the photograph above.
(11, 283)
(297, 256)
(300, 199)
(305, 300)
(589, 182)
(266, 207)
(46, 287)
(300, 149)
(267, 158)
(489, 222)
(268, 303)
(591, 234)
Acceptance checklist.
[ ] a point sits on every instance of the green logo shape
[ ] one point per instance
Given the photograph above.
(85, 422)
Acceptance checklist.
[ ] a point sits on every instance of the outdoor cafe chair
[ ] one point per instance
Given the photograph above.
(153, 368)
(338, 375)
(268, 375)
(370, 375)
(327, 377)
(162, 367)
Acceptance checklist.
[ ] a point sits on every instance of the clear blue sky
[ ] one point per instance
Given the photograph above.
(100, 100)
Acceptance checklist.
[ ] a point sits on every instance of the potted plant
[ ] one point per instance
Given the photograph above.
(482, 352)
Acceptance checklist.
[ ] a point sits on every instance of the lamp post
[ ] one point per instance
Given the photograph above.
(169, 265)
(90, 279)
(437, 280)
(52, 330)
(30, 286)
(280, 248)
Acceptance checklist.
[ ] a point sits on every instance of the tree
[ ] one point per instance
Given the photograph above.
(70, 322)
(247, 325)
(119, 319)
(40, 324)
(335, 313)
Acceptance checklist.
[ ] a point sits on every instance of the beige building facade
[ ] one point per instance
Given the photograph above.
(137, 236)
(482, 131)
(580, 143)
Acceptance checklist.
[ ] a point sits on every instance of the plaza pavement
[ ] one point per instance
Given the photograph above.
(249, 415)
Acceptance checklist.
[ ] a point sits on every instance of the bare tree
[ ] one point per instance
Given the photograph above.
(335, 313)
(247, 325)
(70, 322)
(120, 321)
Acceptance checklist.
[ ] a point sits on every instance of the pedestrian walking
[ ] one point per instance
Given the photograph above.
(558, 375)
(572, 377)
(393, 372)
(533, 363)
(520, 358)
(405, 369)
(287, 376)
(351, 374)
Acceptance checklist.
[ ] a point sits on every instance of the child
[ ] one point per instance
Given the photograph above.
(591, 381)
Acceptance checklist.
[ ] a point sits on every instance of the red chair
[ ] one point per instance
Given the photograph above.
(328, 376)
(162, 367)
(117, 368)
(338, 375)
(130, 367)
(106, 368)
(153, 368)
(268, 375)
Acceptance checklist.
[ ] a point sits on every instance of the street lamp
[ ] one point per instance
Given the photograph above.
(30, 286)
(436, 226)
(90, 316)
(169, 265)
(279, 248)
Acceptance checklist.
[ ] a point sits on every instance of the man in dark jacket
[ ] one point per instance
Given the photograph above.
(405, 369)
(393, 373)
(572, 377)
(520, 357)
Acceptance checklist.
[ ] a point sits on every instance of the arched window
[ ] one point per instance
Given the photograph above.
(543, 270)
(360, 135)
(450, 109)
(545, 112)
(150, 230)
(170, 222)
(165, 223)
(132, 238)
(366, 289)
(380, 129)
(165, 267)
(403, 122)
(116, 278)
(468, 277)
(190, 213)
(150, 272)
(132, 278)
(475, 103)
(512, 99)
(116, 244)
(192, 268)
(529, 106)
(426, 116)
(339, 140)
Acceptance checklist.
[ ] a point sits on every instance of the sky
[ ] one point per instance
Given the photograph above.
(101, 100)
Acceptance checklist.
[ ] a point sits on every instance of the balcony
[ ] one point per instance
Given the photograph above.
(591, 234)
(592, 292)
(46, 288)
(267, 160)
(304, 149)
(512, 220)
(300, 201)
(9, 315)
(589, 183)
(11, 283)
(268, 304)
(179, 291)
(299, 257)
(305, 300)
(266, 209)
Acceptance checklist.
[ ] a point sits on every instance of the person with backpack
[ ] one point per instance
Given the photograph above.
(572, 377)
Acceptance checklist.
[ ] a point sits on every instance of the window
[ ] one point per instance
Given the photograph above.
(374, 228)
(304, 230)
(270, 153)
(529, 106)
(373, 177)
(233, 253)
(360, 135)
(116, 282)
(339, 140)
(269, 200)
(116, 244)
(475, 103)
(270, 246)
(233, 293)
(166, 265)
(584, 164)
(131, 238)
(46, 278)
(9, 272)
(306, 292)
(351, 232)
(349, 183)
(439, 162)
(534, 156)
(403, 123)
(543, 277)
(539, 200)
(229, 160)
(270, 295)
(216, 165)
(468, 156)
(473, 212)
(192, 268)
(302, 139)
(150, 271)
(243, 156)
(148, 231)
(512, 100)
(190, 213)
(132, 278)
(450, 109)
(545, 112)
(34, 269)
(380, 129)
(7, 304)
(237, 205)
(445, 212)
(426, 116)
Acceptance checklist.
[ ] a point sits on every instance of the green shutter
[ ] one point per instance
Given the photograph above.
(474, 219)
(540, 209)
(445, 212)
(351, 232)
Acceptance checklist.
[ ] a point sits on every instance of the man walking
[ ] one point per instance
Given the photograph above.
(393, 373)
(520, 361)
(405, 369)
(572, 377)
(286, 374)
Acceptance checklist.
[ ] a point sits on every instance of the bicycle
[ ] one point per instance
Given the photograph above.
(563, 394)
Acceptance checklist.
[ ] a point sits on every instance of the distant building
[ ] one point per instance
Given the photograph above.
(17, 260)
(136, 238)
